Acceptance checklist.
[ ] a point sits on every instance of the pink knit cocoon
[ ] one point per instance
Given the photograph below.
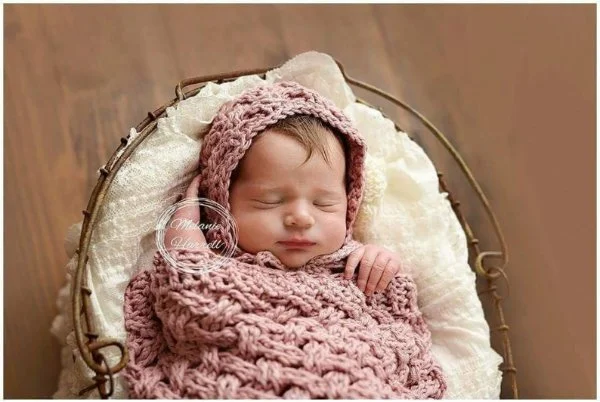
(254, 329)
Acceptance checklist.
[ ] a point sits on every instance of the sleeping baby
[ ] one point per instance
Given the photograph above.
(282, 318)
(288, 195)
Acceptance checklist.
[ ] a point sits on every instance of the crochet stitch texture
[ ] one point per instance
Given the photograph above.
(254, 328)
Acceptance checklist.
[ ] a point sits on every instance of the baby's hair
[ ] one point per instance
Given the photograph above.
(311, 132)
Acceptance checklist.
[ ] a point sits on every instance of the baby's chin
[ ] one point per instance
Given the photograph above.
(294, 259)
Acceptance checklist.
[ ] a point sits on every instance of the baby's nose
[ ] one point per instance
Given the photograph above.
(299, 220)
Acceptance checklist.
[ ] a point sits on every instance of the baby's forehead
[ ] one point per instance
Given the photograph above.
(275, 158)
(265, 186)
(278, 148)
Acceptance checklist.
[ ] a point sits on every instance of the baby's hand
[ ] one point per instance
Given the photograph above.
(183, 230)
(378, 266)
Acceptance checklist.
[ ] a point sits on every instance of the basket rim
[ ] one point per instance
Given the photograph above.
(90, 349)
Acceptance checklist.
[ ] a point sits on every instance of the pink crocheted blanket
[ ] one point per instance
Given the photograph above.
(252, 332)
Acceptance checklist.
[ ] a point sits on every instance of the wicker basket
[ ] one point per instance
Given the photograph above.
(90, 343)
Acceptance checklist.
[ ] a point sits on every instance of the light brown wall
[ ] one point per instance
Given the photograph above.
(513, 86)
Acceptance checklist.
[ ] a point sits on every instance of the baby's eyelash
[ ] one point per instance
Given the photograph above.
(317, 204)
(268, 203)
(323, 205)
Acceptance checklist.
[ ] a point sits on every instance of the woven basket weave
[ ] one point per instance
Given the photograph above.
(90, 343)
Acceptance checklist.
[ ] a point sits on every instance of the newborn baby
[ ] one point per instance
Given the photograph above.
(276, 319)
(288, 195)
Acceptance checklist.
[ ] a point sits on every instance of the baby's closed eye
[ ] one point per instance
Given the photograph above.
(269, 202)
(317, 203)
(326, 205)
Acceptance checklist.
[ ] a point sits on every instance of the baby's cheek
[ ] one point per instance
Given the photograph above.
(334, 227)
(253, 231)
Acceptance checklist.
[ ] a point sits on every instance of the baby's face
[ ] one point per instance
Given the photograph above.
(275, 199)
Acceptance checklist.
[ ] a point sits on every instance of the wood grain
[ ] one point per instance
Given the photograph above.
(513, 87)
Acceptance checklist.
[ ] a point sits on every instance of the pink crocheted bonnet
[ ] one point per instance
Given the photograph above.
(241, 119)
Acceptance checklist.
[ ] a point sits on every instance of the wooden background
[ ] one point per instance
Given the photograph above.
(513, 86)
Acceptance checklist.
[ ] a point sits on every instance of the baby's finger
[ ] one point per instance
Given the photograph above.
(190, 213)
(192, 190)
(388, 274)
(365, 267)
(353, 261)
(376, 272)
